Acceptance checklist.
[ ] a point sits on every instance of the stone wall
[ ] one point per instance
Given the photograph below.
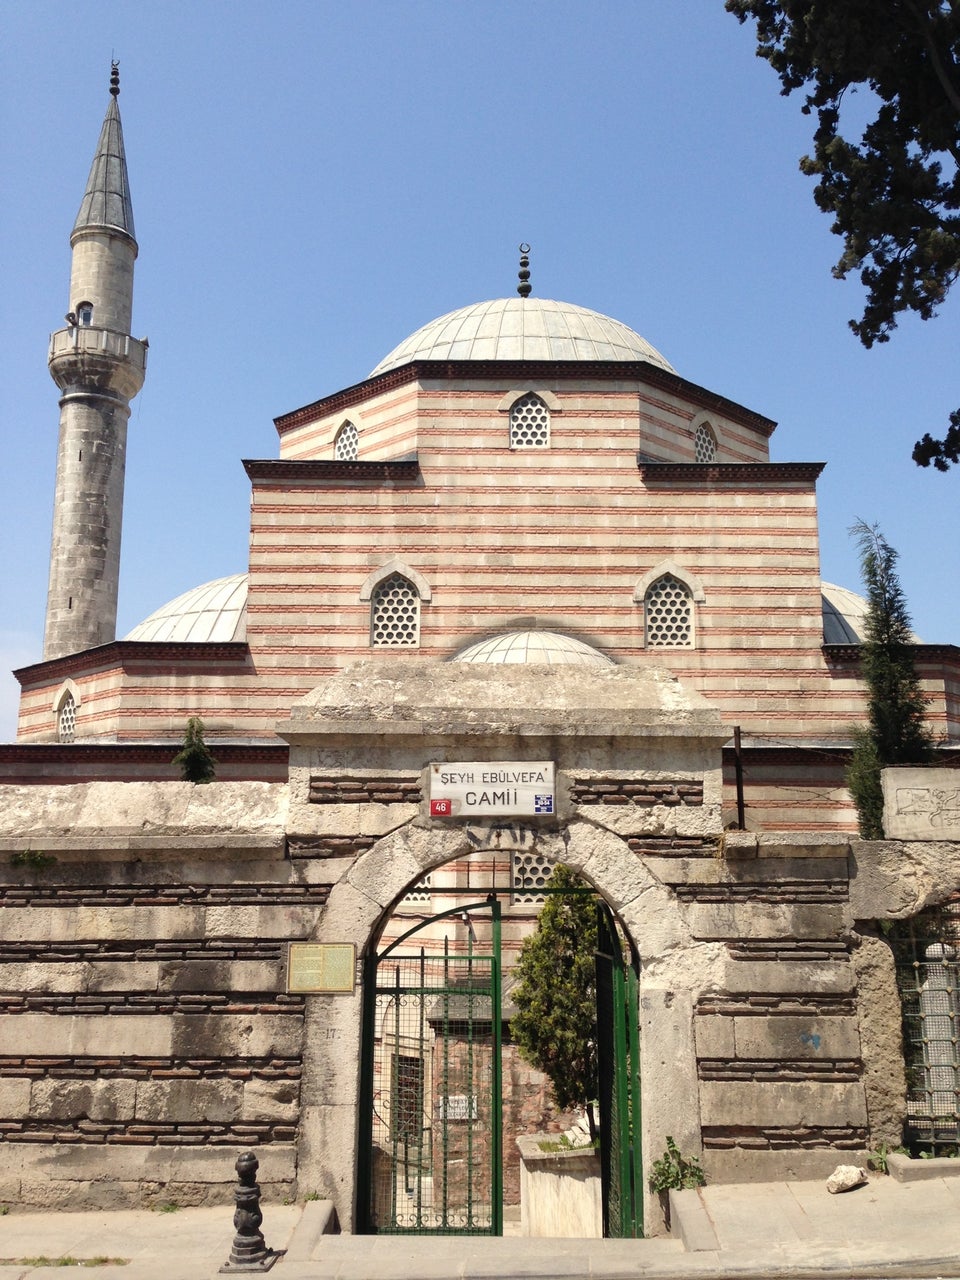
(146, 1035)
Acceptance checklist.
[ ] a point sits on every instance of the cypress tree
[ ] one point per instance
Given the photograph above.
(897, 732)
(196, 763)
(555, 1027)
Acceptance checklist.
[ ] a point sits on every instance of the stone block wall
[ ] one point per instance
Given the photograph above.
(146, 1037)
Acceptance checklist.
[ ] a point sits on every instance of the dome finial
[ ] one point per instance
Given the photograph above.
(524, 287)
(114, 78)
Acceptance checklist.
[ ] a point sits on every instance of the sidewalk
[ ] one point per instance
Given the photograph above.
(756, 1231)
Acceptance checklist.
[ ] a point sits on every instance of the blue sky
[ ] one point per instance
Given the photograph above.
(313, 181)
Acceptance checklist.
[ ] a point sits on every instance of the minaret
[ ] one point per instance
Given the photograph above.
(99, 368)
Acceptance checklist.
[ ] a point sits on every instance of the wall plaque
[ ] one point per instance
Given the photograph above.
(321, 967)
(492, 788)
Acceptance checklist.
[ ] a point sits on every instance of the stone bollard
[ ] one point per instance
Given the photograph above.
(249, 1252)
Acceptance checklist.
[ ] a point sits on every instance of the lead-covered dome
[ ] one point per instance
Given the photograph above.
(523, 329)
(214, 611)
(534, 647)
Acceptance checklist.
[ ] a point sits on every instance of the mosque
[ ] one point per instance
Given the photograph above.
(525, 594)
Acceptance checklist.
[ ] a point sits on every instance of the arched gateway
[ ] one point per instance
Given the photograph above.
(623, 762)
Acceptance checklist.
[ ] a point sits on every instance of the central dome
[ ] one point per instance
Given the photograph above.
(523, 329)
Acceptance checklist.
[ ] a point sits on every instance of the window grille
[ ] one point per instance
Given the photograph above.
(421, 892)
(529, 423)
(347, 444)
(668, 611)
(704, 444)
(395, 612)
(530, 870)
(67, 719)
(927, 953)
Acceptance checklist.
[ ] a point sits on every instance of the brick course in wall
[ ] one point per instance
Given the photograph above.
(405, 790)
(640, 792)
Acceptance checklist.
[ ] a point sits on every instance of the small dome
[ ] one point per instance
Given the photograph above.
(844, 615)
(534, 647)
(215, 611)
(523, 329)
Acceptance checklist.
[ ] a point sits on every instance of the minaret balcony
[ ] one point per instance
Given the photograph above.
(88, 359)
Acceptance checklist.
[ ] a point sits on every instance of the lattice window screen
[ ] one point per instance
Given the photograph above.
(704, 444)
(67, 720)
(529, 423)
(531, 870)
(668, 613)
(347, 444)
(395, 612)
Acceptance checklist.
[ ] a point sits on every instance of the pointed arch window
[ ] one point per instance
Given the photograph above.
(84, 314)
(668, 614)
(395, 613)
(346, 446)
(704, 443)
(67, 718)
(529, 422)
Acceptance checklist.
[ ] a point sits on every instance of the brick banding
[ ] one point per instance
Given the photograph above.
(787, 949)
(775, 891)
(830, 1071)
(91, 1132)
(366, 791)
(727, 1137)
(115, 1068)
(644, 795)
(235, 895)
(673, 846)
(328, 846)
(767, 1005)
(117, 1003)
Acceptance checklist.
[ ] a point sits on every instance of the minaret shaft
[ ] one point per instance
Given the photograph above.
(99, 368)
(85, 550)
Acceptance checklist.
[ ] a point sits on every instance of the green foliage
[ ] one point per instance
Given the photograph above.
(555, 1026)
(894, 192)
(863, 783)
(896, 706)
(32, 858)
(195, 761)
(878, 1159)
(676, 1172)
(565, 1143)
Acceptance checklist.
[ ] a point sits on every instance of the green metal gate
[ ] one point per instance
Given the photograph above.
(431, 1125)
(618, 1051)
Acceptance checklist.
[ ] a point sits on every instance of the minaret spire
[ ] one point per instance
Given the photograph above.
(99, 368)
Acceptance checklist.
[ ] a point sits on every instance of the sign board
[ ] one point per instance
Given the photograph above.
(315, 967)
(492, 788)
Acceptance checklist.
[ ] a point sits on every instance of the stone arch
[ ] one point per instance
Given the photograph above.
(394, 565)
(690, 581)
(359, 906)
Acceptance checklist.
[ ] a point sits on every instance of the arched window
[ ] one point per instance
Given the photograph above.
(529, 423)
(84, 314)
(67, 719)
(347, 444)
(395, 612)
(668, 613)
(704, 444)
